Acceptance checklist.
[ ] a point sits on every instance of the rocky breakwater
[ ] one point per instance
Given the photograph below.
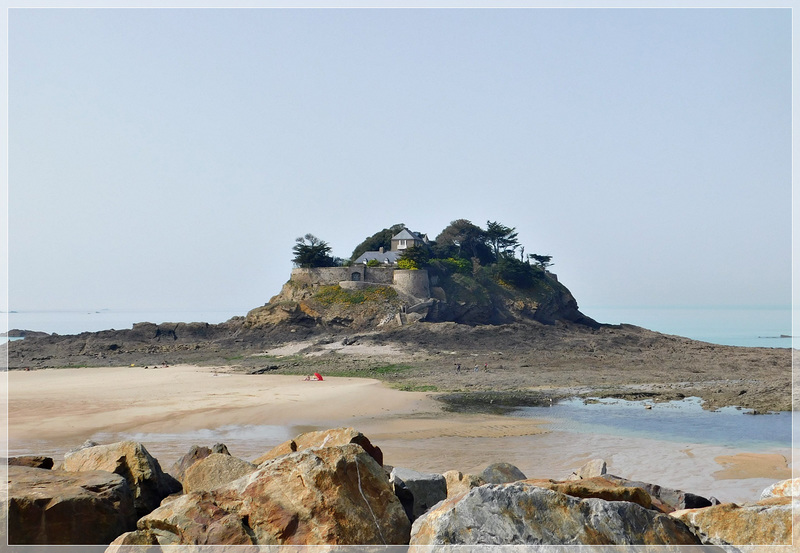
(99, 493)
(332, 488)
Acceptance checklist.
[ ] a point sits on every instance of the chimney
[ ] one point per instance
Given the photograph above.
(380, 250)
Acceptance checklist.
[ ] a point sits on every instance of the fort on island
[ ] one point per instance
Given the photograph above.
(412, 284)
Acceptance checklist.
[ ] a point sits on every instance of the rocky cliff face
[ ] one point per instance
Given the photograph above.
(476, 299)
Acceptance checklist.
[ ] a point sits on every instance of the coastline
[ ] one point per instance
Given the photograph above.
(169, 409)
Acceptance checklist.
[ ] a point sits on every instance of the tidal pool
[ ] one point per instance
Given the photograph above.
(678, 421)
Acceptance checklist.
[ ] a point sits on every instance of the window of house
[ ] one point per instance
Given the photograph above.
(402, 244)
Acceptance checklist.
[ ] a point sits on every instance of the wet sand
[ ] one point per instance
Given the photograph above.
(169, 409)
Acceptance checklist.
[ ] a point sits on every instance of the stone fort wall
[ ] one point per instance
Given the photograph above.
(414, 283)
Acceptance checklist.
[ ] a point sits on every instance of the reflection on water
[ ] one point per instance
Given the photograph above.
(676, 421)
(246, 441)
(230, 433)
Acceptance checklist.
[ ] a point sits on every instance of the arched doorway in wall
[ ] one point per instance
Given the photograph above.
(355, 276)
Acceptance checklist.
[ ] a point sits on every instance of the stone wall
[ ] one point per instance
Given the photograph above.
(380, 275)
(414, 283)
(321, 275)
(335, 275)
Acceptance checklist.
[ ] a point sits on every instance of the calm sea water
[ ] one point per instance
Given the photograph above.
(764, 327)
(733, 326)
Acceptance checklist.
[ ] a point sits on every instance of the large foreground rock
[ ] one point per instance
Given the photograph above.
(417, 491)
(214, 471)
(768, 522)
(332, 495)
(523, 514)
(55, 507)
(323, 438)
(131, 461)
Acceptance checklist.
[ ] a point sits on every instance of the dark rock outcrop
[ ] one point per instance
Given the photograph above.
(35, 461)
(502, 473)
(417, 491)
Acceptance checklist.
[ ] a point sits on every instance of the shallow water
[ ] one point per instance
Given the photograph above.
(676, 421)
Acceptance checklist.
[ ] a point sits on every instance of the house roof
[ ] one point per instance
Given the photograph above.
(406, 234)
(383, 257)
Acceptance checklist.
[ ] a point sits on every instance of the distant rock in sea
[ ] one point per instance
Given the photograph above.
(18, 333)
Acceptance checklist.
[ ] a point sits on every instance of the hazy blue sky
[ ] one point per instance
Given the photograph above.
(169, 158)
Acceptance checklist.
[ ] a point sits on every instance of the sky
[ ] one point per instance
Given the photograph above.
(168, 158)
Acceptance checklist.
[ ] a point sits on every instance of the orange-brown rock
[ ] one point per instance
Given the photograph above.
(323, 496)
(124, 541)
(664, 499)
(133, 462)
(597, 487)
(195, 453)
(35, 461)
(193, 519)
(458, 483)
(323, 438)
(52, 507)
(214, 471)
(784, 488)
(768, 522)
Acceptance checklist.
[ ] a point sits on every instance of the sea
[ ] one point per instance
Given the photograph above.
(760, 327)
(769, 327)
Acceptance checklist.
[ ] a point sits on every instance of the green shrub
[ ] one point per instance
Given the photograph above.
(407, 265)
(373, 263)
(451, 266)
(516, 273)
(458, 265)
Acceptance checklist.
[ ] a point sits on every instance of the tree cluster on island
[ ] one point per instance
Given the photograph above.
(462, 247)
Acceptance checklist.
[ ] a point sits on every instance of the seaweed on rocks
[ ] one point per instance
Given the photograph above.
(495, 402)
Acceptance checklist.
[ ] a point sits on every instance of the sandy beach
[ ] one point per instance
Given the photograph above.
(171, 408)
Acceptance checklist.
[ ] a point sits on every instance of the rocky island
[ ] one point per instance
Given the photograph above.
(414, 312)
